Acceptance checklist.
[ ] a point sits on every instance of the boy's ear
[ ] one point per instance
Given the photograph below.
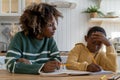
(85, 38)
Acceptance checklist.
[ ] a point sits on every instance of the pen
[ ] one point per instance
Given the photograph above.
(115, 77)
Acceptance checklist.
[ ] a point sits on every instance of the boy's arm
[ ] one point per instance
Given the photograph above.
(108, 60)
(72, 61)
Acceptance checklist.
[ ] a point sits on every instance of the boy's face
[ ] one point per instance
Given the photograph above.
(92, 44)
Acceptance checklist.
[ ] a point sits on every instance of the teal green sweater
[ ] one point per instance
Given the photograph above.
(38, 52)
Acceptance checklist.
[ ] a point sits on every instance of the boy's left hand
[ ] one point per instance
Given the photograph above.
(100, 37)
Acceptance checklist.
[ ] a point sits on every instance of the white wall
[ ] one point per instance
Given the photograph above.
(74, 25)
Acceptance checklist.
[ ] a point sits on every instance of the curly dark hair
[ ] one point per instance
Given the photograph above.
(37, 16)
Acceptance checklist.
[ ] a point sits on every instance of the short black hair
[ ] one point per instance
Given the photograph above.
(95, 29)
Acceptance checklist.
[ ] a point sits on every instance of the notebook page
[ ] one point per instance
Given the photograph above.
(65, 73)
(102, 72)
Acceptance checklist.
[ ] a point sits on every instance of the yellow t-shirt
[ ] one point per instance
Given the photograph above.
(79, 58)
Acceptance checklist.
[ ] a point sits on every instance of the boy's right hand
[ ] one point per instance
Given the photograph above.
(93, 67)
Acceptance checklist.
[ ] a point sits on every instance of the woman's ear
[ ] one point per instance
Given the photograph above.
(85, 38)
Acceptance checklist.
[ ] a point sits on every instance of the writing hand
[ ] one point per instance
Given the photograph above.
(93, 68)
(51, 66)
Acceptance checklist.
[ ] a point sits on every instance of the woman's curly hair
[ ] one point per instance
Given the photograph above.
(37, 16)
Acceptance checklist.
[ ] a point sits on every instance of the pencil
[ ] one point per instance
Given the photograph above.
(64, 64)
(93, 60)
(104, 76)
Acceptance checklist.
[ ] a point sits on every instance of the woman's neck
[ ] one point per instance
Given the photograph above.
(39, 37)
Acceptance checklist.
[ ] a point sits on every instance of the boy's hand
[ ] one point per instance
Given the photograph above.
(51, 66)
(100, 37)
(93, 67)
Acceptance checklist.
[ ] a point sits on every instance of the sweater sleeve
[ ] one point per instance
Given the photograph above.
(54, 52)
(72, 61)
(108, 59)
(14, 53)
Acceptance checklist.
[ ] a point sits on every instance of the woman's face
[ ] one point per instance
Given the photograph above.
(50, 28)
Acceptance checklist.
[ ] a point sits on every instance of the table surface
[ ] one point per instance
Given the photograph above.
(5, 75)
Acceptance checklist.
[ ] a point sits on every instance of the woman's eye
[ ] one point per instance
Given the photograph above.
(50, 25)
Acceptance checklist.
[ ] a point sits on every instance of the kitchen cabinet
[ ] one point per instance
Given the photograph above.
(14, 7)
(25, 3)
(10, 7)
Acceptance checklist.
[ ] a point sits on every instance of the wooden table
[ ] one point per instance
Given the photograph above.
(5, 75)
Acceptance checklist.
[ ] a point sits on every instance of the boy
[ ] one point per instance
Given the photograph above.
(91, 57)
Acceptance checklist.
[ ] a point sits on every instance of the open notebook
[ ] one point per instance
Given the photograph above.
(102, 72)
(73, 73)
(65, 73)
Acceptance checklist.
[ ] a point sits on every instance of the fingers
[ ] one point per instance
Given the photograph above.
(55, 64)
(51, 66)
(23, 60)
(98, 36)
(98, 68)
(93, 68)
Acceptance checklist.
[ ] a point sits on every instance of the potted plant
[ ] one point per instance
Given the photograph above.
(94, 11)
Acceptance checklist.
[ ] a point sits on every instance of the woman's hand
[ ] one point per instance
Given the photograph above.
(23, 60)
(93, 67)
(50, 66)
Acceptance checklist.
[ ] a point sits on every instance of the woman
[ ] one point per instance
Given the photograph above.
(33, 49)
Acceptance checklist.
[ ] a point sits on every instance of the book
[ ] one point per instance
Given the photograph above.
(73, 73)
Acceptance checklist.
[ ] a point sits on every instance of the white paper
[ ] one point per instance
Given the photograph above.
(73, 73)
(102, 72)
(65, 73)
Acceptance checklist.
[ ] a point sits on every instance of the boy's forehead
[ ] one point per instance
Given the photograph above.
(96, 32)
